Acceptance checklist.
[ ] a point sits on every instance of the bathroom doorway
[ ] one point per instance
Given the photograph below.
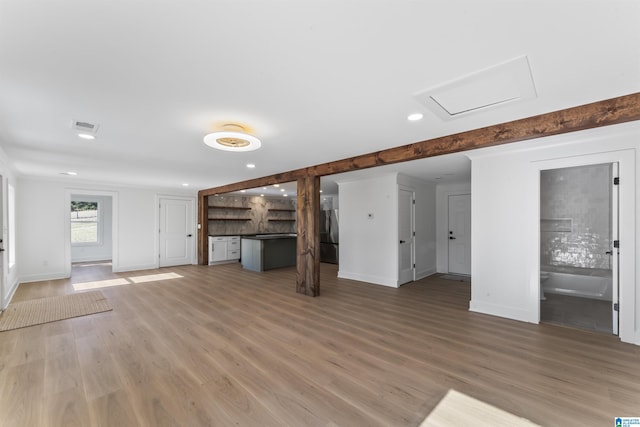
(578, 247)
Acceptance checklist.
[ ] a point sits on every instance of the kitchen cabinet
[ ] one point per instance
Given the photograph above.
(266, 252)
(224, 249)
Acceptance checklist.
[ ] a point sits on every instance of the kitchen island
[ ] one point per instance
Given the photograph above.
(268, 251)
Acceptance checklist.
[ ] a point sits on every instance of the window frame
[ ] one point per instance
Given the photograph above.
(11, 223)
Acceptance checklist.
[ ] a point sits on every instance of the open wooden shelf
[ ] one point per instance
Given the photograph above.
(281, 210)
(229, 219)
(280, 219)
(230, 207)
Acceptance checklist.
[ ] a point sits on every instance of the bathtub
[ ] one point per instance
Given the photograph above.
(591, 283)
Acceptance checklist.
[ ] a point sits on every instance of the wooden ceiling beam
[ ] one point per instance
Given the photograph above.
(597, 114)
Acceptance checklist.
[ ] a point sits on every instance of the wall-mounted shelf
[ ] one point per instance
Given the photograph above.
(282, 218)
(229, 219)
(231, 208)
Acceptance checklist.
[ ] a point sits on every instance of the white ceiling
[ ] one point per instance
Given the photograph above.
(315, 80)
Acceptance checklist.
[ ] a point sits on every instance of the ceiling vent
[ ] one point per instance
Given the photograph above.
(499, 85)
(84, 127)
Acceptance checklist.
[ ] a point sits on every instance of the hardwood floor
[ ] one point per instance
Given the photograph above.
(222, 346)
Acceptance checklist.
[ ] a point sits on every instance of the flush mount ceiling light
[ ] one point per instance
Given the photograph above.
(232, 137)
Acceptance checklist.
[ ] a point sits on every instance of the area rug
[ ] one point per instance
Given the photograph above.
(458, 409)
(44, 310)
(456, 277)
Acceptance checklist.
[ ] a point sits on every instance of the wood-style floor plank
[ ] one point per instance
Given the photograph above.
(226, 347)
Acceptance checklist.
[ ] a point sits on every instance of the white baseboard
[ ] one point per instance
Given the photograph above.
(502, 311)
(392, 283)
(10, 294)
(124, 269)
(40, 277)
(425, 273)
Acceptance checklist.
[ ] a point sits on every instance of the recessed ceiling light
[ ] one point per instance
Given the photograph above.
(86, 136)
(415, 116)
(282, 189)
(185, 184)
(321, 191)
(264, 188)
(243, 191)
(285, 195)
(262, 195)
(251, 165)
(69, 173)
(276, 185)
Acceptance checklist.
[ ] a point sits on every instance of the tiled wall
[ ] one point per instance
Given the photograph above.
(258, 215)
(575, 217)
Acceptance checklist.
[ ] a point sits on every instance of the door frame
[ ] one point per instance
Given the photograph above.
(194, 222)
(4, 268)
(68, 192)
(626, 230)
(613, 231)
(413, 228)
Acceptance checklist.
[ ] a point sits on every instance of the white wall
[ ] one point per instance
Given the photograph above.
(369, 247)
(43, 212)
(443, 191)
(9, 279)
(505, 219)
(103, 250)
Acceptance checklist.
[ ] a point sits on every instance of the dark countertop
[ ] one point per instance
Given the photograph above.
(270, 236)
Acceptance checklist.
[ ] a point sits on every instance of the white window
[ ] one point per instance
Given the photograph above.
(86, 227)
(11, 219)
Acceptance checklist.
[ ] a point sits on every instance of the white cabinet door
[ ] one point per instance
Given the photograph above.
(217, 249)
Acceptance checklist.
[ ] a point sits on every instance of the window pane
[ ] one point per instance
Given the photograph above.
(84, 222)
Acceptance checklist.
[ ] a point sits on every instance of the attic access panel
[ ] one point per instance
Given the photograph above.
(501, 84)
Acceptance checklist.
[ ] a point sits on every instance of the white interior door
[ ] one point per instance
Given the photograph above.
(615, 251)
(460, 234)
(176, 232)
(406, 252)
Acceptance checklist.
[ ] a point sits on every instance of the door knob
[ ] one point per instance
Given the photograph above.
(189, 235)
(609, 253)
(402, 241)
(452, 238)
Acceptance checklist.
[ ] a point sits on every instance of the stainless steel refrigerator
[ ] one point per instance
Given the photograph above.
(329, 236)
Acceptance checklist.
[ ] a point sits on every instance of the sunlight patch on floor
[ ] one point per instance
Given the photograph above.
(125, 281)
(458, 409)
(154, 277)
